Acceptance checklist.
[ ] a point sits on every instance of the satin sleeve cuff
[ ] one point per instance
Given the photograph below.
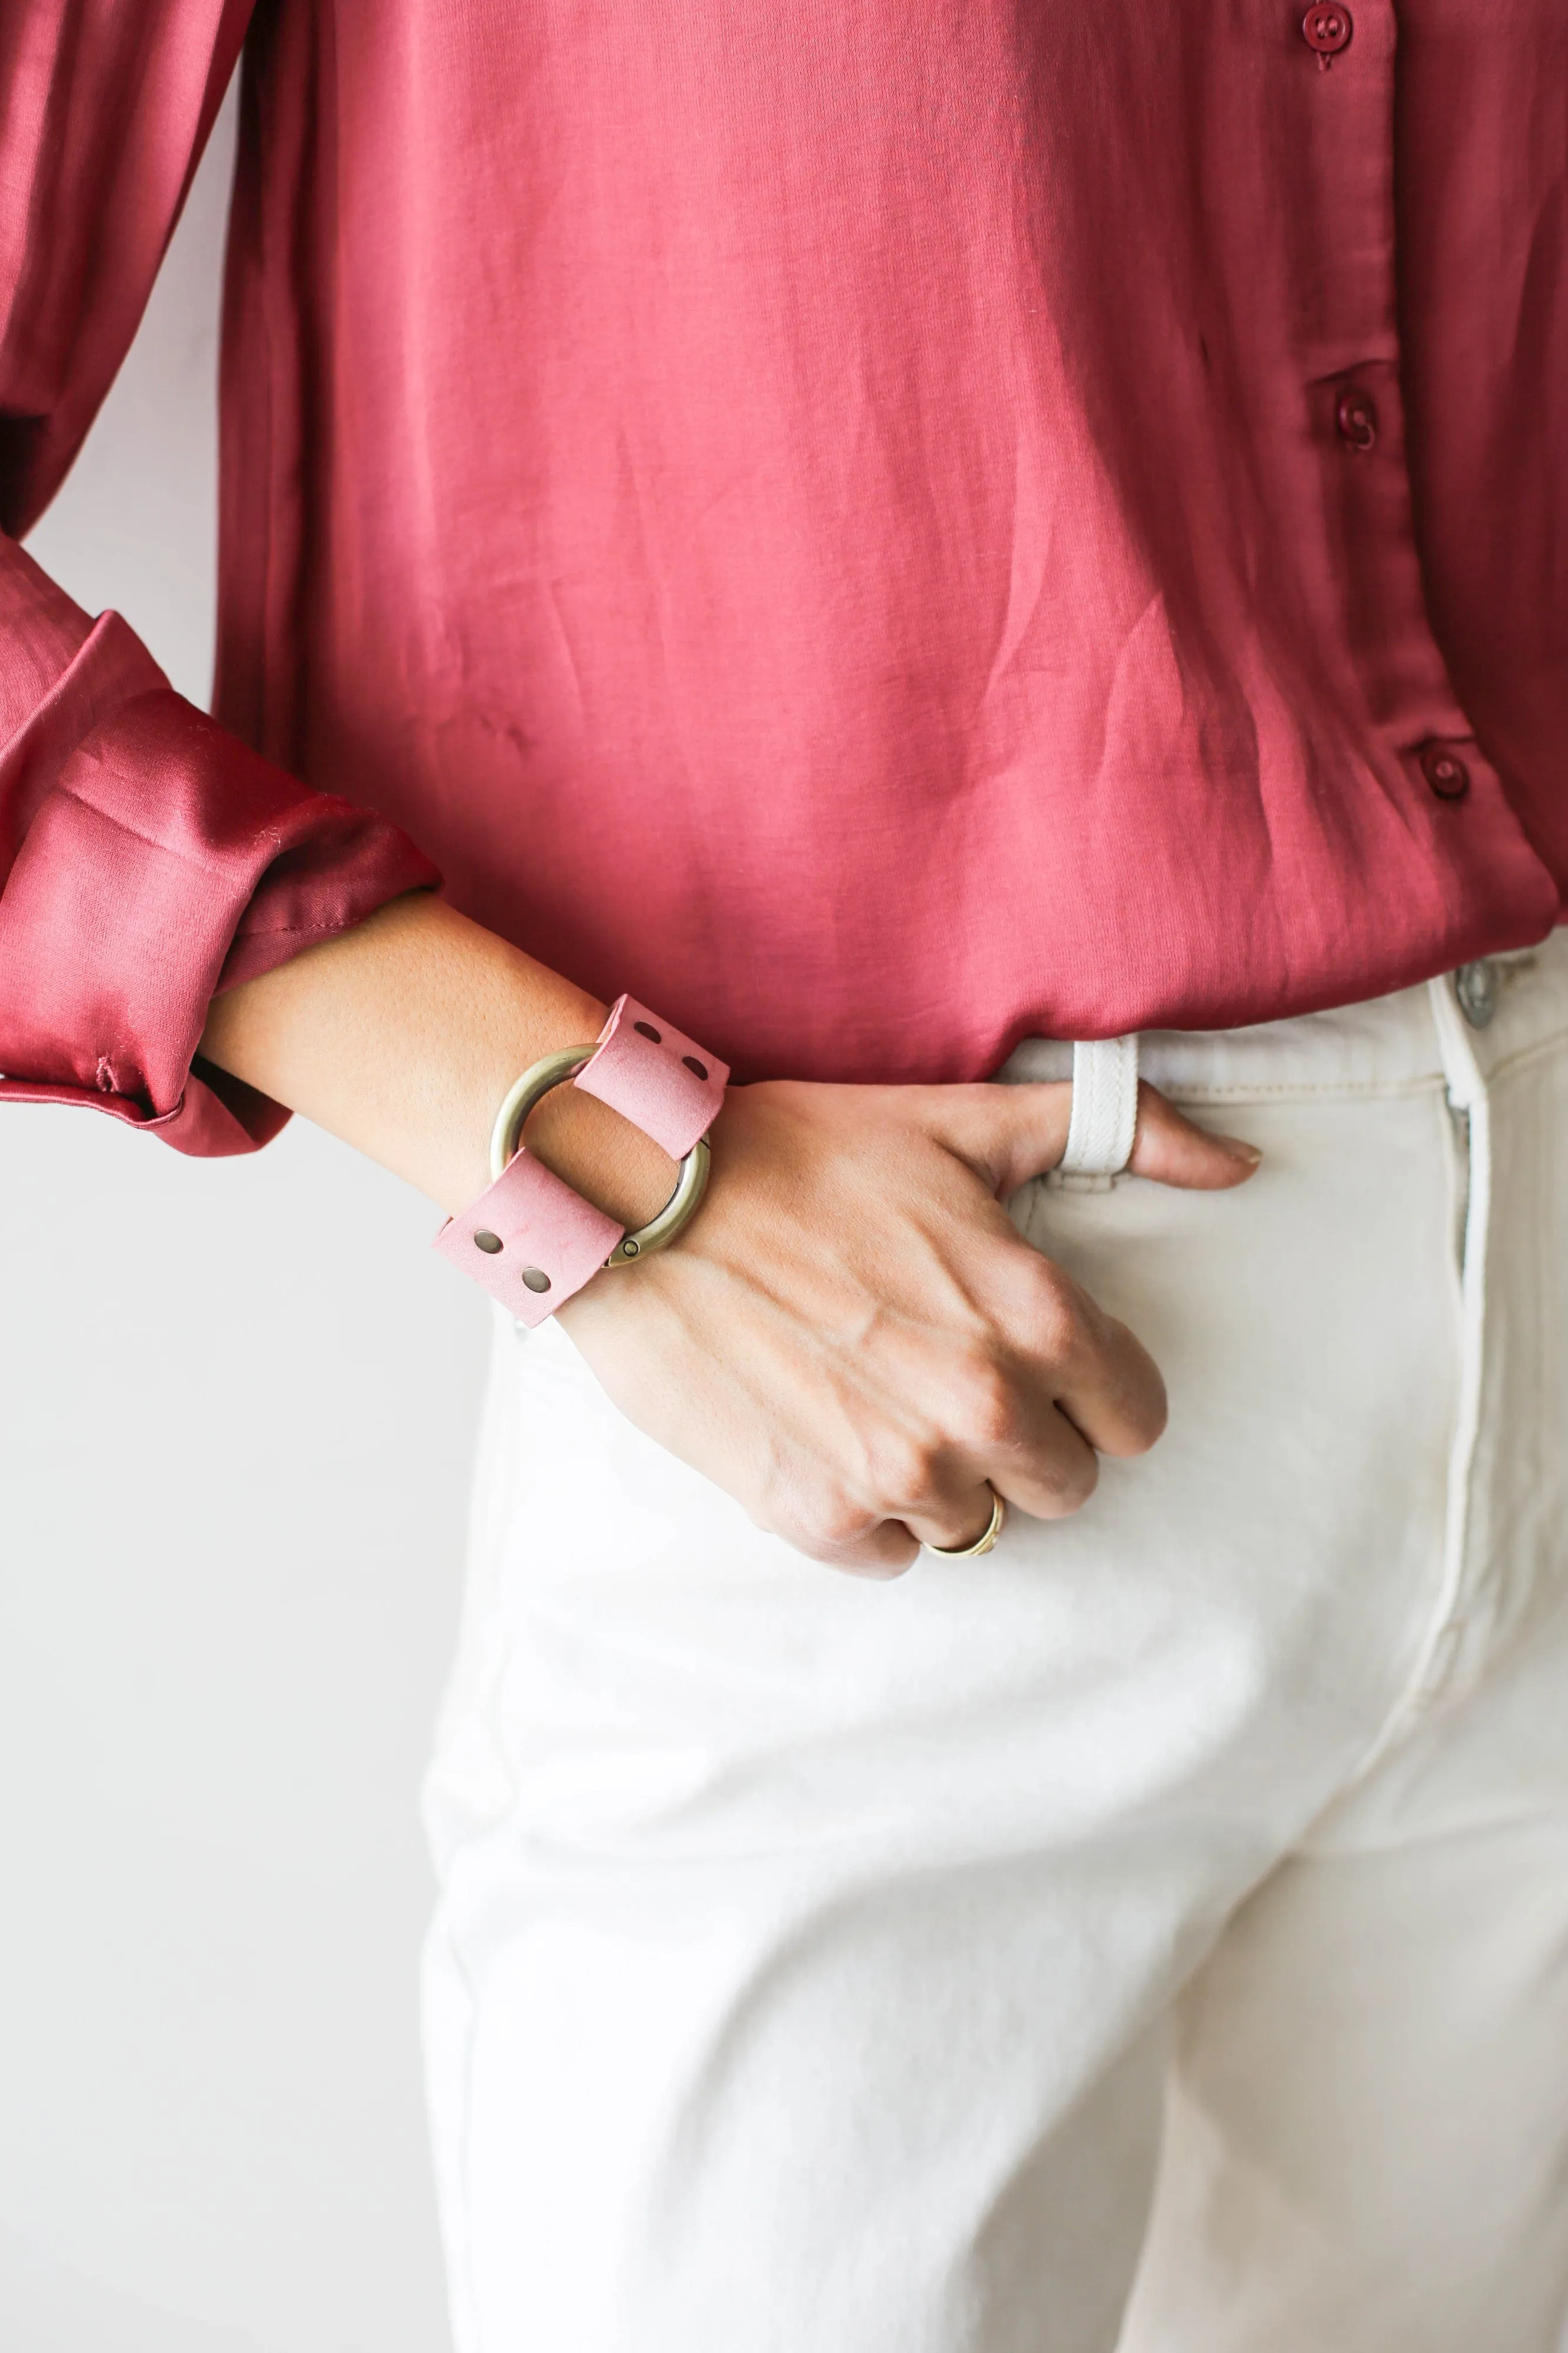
(154, 860)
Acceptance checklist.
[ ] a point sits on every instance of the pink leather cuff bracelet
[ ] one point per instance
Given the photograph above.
(660, 1080)
(529, 1240)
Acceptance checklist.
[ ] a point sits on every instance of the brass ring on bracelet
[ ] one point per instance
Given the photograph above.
(506, 1137)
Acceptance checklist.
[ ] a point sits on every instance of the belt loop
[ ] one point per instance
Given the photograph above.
(1104, 1114)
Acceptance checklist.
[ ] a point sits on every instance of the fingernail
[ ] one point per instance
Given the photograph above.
(1247, 1153)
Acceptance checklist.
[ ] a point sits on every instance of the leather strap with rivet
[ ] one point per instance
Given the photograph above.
(529, 1240)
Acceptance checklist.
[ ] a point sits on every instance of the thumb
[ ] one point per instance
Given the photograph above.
(1172, 1151)
(1007, 1134)
(1010, 1134)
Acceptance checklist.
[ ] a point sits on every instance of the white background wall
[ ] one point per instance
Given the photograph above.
(235, 1407)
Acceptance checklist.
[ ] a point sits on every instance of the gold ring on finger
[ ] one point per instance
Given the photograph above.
(984, 1541)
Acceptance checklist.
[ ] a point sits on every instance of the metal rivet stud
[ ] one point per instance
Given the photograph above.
(535, 1278)
(629, 1249)
(489, 1243)
(646, 1030)
(1475, 984)
(692, 1065)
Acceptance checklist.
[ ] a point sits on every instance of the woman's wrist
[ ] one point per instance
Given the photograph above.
(402, 1036)
(601, 1156)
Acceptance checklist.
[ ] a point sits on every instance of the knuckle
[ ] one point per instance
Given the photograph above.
(1145, 1406)
(1146, 1423)
(823, 1525)
(837, 1523)
(987, 1410)
(903, 1468)
(1054, 1308)
(884, 1569)
(1073, 1480)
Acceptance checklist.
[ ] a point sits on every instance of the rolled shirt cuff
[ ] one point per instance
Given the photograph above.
(165, 861)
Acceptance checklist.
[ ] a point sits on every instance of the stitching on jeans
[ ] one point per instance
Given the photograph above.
(1260, 1091)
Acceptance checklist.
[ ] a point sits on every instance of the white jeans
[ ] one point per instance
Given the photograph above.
(1156, 1934)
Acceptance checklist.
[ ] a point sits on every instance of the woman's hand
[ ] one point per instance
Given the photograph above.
(850, 1337)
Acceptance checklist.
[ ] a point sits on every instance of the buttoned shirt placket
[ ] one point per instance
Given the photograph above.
(1346, 65)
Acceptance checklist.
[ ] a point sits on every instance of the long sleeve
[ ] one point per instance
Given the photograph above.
(147, 858)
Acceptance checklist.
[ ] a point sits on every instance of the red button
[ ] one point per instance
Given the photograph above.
(1445, 771)
(1328, 30)
(1355, 419)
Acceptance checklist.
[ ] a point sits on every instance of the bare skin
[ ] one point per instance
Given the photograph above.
(849, 1338)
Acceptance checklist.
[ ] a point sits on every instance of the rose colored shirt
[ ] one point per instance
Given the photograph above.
(881, 526)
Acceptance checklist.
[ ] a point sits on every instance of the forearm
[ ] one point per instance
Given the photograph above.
(402, 1036)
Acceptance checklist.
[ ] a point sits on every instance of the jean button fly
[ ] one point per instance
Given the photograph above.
(1475, 986)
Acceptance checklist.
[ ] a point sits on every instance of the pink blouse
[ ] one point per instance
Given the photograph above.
(881, 526)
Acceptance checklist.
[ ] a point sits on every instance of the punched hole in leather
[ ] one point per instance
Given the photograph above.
(1104, 1115)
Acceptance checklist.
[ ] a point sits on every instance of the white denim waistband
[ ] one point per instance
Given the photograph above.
(1510, 1004)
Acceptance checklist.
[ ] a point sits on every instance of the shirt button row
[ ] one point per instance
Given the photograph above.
(1327, 29)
